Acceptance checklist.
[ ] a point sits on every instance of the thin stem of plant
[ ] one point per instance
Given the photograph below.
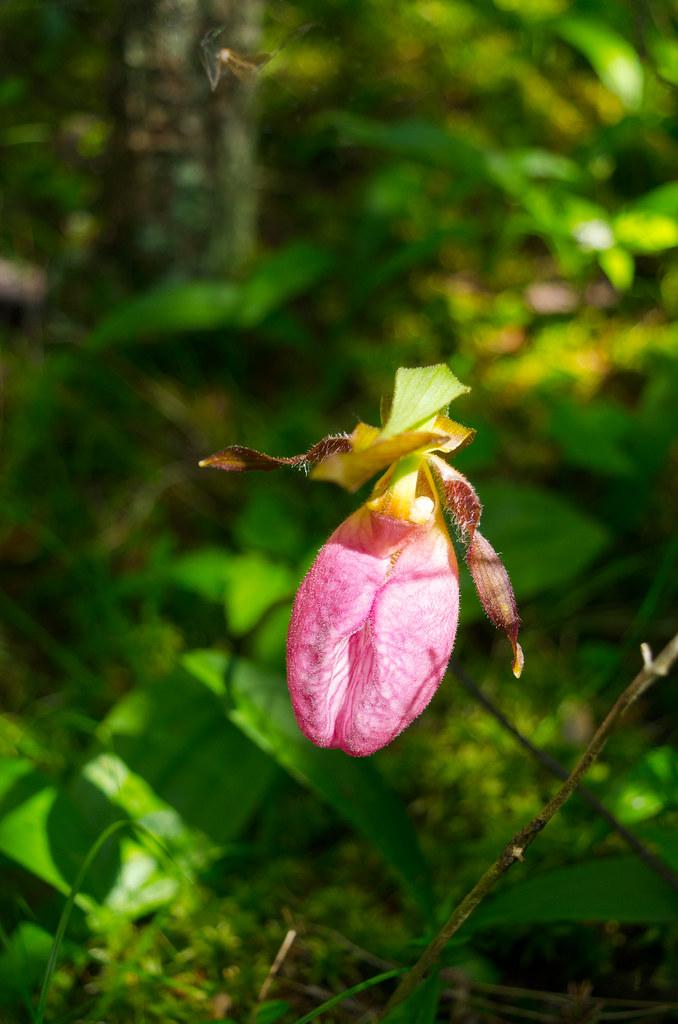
(654, 862)
(516, 847)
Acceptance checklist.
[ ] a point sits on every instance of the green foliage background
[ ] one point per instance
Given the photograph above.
(483, 183)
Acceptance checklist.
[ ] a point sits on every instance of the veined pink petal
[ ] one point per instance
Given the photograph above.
(372, 630)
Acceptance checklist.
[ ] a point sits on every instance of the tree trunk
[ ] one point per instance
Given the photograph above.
(185, 159)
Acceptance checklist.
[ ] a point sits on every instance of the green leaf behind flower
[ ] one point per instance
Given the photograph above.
(257, 702)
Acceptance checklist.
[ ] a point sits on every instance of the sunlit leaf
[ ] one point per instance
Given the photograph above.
(649, 787)
(175, 736)
(646, 230)
(619, 266)
(613, 59)
(663, 199)
(28, 805)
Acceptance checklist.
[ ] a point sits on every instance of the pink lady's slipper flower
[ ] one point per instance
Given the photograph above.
(375, 618)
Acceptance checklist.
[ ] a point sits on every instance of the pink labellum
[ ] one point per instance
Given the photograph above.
(372, 630)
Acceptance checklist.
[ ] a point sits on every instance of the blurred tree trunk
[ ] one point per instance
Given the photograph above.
(182, 187)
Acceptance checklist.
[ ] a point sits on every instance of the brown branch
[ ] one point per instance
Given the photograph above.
(516, 847)
(654, 862)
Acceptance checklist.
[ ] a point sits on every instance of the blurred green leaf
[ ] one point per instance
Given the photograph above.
(665, 840)
(271, 1011)
(248, 584)
(613, 59)
(258, 703)
(23, 961)
(665, 53)
(544, 540)
(649, 787)
(595, 436)
(514, 169)
(663, 199)
(170, 309)
(433, 145)
(50, 829)
(204, 571)
(207, 305)
(609, 889)
(280, 278)
(619, 267)
(646, 230)
(415, 139)
(32, 816)
(254, 585)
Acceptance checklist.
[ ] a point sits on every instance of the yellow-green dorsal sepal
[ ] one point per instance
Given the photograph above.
(420, 394)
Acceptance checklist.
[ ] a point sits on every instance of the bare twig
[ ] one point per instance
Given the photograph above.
(516, 847)
(280, 957)
(654, 862)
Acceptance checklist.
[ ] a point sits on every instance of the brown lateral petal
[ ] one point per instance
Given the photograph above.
(487, 569)
(495, 592)
(239, 459)
(351, 469)
(460, 497)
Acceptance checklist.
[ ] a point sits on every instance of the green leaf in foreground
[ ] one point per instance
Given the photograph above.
(419, 394)
(609, 889)
(23, 961)
(257, 702)
(40, 827)
(175, 735)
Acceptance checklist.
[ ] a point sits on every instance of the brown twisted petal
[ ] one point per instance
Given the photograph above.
(495, 593)
(487, 569)
(238, 459)
(460, 497)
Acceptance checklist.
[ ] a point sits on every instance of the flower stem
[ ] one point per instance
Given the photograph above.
(514, 850)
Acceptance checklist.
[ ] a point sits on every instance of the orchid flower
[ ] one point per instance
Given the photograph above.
(375, 618)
